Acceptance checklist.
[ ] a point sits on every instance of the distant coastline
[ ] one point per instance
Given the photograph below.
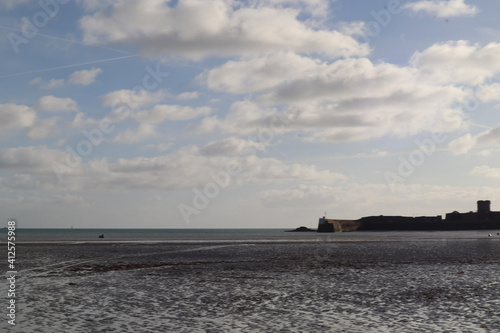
(301, 229)
(483, 219)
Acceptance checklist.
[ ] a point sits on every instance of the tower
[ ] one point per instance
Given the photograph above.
(483, 206)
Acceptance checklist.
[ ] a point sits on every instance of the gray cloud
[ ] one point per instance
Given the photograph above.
(197, 29)
(13, 115)
(185, 168)
(443, 8)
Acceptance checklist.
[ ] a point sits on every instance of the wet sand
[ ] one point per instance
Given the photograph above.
(324, 286)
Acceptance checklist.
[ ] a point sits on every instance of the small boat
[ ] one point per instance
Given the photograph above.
(101, 236)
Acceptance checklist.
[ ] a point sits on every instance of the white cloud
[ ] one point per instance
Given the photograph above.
(490, 137)
(60, 142)
(36, 81)
(443, 8)
(486, 171)
(354, 200)
(189, 95)
(132, 99)
(463, 144)
(65, 200)
(485, 153)
(43, 128)
(355, 99)
(81, 120)
(53, 84)
(143, 132)
(84, 77)
(356, 28)
(162, 147)
(198, 28)
(260, 73)
(162, 112)
(56, 104)
(487, 93)
(232, 146)
(48, 85)
(270, 170)
(344, 80)
(346, 100)
(32, 159)
(458, 62)
(9, 4)
(13, 115)
(301, 195)
(244, 117)
(185, 168)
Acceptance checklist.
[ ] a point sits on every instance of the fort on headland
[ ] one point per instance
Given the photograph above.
(484, 218)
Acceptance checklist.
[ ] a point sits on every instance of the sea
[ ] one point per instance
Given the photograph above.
(252, 280)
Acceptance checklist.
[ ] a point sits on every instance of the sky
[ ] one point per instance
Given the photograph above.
(246, 114)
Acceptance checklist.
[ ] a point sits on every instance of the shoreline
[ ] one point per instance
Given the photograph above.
(427, 285)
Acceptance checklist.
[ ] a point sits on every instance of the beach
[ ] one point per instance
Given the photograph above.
(317, 283)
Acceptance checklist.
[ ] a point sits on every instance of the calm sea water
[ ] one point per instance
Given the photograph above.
(254, 280)
(229, 235)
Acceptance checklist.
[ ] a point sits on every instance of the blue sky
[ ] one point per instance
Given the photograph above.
(261, 113)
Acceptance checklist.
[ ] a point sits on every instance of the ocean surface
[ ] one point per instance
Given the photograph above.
(226, 235)
(253, 280)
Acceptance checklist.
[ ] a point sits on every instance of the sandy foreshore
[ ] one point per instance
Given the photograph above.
(325, 286)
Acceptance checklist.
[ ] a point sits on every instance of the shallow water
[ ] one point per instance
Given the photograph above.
(229, 235)
(330, 283)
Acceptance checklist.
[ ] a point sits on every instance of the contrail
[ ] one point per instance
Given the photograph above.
(482, 126)
(67, 66)
(66, 40)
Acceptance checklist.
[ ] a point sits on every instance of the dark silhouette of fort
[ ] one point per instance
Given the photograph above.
(484, 218)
